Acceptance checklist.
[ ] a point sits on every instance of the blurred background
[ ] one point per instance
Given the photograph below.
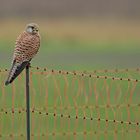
(75, 34)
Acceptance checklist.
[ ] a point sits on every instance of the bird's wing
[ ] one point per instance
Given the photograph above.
(15, 71)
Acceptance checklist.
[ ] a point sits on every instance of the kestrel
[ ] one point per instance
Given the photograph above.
(26, 47)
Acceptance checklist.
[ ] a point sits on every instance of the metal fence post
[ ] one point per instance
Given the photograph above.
(27, 103)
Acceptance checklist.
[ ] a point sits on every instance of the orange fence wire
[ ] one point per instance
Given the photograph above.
(100, 104)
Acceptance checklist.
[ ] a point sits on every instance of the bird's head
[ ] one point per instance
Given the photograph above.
(32, 28)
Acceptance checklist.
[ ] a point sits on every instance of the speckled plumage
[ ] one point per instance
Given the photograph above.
(26, 47)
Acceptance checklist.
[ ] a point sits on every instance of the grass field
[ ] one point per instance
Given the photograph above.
(78, 107)
(72, 106)
(78, 44)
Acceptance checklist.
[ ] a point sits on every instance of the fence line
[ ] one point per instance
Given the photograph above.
(72, 104)
(89, 74)
(68, 116)
(85, 71)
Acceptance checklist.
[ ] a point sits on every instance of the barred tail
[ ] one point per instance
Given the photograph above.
(15, 71)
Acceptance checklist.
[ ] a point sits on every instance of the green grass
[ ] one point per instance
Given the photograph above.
(77, 44)
(67, 54)
(72, 95)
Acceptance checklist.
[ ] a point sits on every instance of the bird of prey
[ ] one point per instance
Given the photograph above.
(26, 47)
